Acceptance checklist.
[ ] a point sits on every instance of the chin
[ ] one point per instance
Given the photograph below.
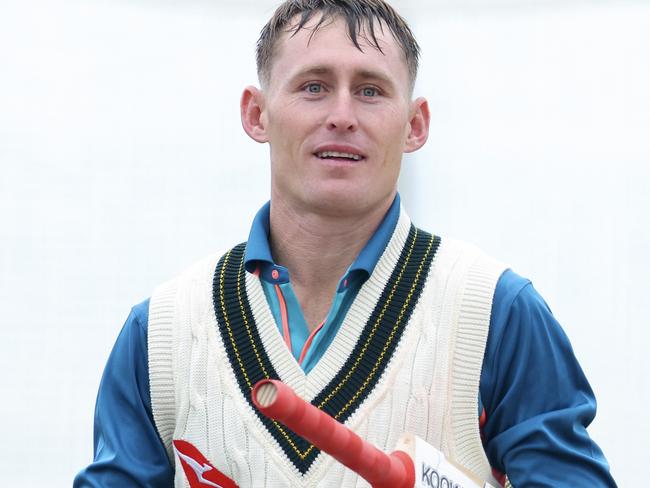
(340, 202)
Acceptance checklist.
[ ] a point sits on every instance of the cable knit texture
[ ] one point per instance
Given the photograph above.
(429, 385)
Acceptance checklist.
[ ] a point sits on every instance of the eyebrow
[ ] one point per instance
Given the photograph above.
(320, 70)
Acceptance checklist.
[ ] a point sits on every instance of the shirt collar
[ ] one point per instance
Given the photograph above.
(258, 256)
(374, 248)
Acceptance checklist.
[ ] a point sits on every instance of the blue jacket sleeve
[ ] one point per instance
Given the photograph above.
(128, 450)
(536, 397)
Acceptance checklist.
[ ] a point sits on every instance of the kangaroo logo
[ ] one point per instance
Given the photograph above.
(198, 470)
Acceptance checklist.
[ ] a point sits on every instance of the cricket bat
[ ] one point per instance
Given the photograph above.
(413, 464)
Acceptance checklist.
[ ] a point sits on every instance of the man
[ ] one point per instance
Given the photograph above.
(382, 325)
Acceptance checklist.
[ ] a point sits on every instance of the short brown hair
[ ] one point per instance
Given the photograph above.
(357, 14)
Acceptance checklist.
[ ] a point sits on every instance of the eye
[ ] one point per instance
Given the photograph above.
(369, 91)
(313, 88)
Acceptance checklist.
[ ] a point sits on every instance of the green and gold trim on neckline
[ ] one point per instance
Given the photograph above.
(363, 368)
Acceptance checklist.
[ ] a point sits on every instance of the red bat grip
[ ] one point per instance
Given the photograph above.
(279, 402)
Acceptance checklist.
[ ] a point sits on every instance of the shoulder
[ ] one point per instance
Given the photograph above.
(138, 319)
(139, 315)
(201, 270)
(519, 308)
(511, 288)
(519, 314)
(466, 265)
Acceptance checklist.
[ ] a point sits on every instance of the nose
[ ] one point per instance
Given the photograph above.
(342, 115)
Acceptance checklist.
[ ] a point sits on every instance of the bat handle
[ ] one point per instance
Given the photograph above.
(279, 402)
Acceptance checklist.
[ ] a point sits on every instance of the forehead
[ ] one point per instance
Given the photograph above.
(330, 45)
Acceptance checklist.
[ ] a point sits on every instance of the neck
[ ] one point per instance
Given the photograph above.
(318, 248)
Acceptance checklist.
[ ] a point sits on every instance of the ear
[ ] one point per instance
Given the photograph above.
(418, 125)
(252, 114)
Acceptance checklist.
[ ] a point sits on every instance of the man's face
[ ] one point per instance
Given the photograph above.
(337, 120)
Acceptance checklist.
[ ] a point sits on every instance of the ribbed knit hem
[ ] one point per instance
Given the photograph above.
(474, 310)
(160, 338)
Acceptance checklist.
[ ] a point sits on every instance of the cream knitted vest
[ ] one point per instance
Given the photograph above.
(421, 376)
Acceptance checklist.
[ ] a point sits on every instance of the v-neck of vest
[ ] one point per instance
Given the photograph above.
(308, 385)
(358, 355)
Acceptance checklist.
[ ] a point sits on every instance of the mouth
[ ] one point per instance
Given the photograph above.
(339, 156)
